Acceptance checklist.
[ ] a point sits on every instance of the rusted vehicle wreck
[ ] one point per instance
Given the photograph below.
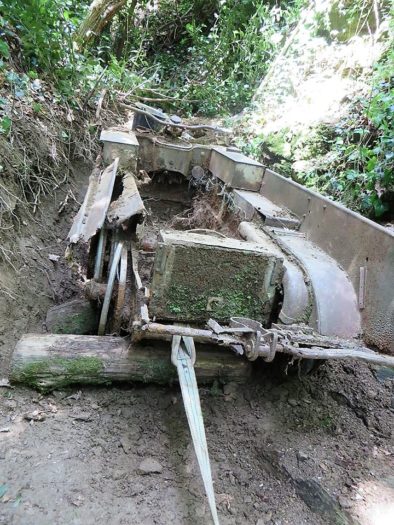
(285, 271)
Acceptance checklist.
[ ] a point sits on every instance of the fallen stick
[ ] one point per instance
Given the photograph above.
(51, 361)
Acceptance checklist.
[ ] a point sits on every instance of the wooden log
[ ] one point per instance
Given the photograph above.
(51, 361)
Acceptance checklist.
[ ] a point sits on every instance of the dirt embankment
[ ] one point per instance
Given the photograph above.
(315, 450)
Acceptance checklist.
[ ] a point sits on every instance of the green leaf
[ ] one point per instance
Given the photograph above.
(4, 49)
(5, 125)
(37, 107)
(380, 207)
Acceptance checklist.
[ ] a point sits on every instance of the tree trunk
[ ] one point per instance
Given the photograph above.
(51, 361)
(100, 13)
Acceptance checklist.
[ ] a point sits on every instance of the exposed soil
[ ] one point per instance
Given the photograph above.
(313, 450)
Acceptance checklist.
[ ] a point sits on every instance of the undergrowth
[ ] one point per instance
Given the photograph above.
(356, 156)
(203, 58)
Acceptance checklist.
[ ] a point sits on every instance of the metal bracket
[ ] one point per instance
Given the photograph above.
(252, 338)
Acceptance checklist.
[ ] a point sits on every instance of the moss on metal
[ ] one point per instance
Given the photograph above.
(203, 281)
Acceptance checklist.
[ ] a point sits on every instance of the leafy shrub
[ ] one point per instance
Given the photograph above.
(358, 167)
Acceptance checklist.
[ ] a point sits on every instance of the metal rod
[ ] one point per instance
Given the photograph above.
(98, 267)
(108, 291)
(161, 331)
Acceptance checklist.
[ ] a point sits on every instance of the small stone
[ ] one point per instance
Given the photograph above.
(57, 394)
(200, 511)
(118, 474)
(176, 119)
(54, 258)
(78, 501)
(125, 444)
(82, 416)
(10, 403)
(302, 456)
(371, 394)
(4, 429)
(268, 517)
(292, 402)
(229, 389)
(36, 415)
(345, 503)
(150, 466)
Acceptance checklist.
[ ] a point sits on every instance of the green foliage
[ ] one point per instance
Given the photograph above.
(208, 56)
(45, 29)
(4, 49)
(43, 32)
(217, 68)
(358, 167)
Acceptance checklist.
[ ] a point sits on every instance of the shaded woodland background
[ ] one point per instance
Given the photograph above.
(307, 86)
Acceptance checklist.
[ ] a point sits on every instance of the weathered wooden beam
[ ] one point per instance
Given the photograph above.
(51, 361)
(166, 331)
(333, 348)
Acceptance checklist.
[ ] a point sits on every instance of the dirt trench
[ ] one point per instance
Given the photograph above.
(303, 450)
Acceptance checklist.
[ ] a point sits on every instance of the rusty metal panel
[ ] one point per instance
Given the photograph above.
(254, 204)
(236, 170)
(128, 204)
(92, 213)
(354, 242)
(157, 155)
(120, 144)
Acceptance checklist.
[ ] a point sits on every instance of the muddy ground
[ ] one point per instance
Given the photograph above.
(303, 450)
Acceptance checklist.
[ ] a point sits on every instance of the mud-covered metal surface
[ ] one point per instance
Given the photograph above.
(91, 216)
(198, 276)
(334, 299)
(235, 169)
(297, 299)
